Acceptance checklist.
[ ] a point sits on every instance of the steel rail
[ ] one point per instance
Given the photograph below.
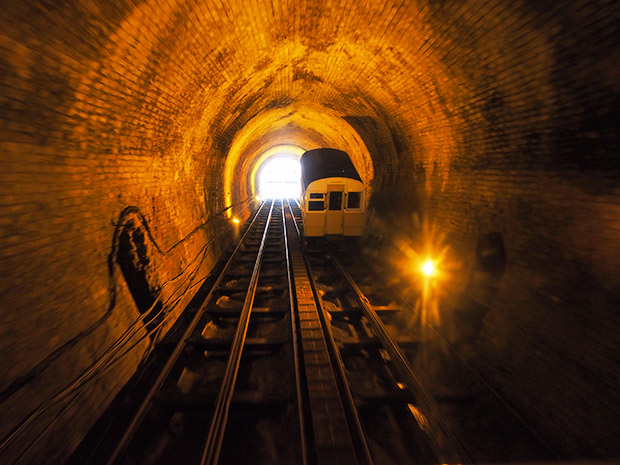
(296, 352)
(146, 403)
(356, 427)
(550, 450)
(299, 238)
(455, 451)
(213, 444)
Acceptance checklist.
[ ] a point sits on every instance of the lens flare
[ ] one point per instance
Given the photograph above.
(425, 280)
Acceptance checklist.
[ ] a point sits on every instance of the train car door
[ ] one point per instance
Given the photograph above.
(334, 216)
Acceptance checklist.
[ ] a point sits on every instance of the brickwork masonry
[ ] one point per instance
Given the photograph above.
(482, 117)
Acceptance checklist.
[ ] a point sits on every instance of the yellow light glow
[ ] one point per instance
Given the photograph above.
(258, 198)
(235, 220)
(428, 264)
(419, 417)
(428, 268)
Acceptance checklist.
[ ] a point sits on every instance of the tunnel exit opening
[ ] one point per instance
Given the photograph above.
(280, 177)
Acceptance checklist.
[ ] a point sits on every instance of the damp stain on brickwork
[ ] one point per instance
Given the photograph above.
(135, 257)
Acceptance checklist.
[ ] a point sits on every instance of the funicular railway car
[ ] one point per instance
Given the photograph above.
(333, 197)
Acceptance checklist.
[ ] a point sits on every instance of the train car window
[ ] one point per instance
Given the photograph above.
(314, 195)
(335, 200)
(316, 206)
(354, 200)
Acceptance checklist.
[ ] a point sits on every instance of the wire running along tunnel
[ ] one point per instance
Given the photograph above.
(486, 132)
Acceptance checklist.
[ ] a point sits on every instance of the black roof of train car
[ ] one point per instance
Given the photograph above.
(326, 163)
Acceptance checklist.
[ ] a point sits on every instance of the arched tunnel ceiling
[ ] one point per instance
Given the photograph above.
(404, 75)
(200, 72)
(217, 69)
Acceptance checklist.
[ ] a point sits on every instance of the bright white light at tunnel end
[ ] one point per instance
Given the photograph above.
(280, 177)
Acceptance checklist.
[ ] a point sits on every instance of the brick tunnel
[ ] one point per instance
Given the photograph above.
(131, 132)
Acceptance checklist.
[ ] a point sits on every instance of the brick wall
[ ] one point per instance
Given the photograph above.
(116, 119)
(95, 136)
(536, 161)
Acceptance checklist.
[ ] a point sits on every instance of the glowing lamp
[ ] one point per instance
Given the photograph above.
(428, 268)
(236, 221)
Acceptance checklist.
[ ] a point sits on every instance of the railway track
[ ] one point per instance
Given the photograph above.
(285, 361)
(384, 397)
(229, 367)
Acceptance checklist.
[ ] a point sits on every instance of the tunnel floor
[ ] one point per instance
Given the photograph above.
(482, 421)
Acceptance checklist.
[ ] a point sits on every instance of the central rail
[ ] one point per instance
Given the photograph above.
(332, 439)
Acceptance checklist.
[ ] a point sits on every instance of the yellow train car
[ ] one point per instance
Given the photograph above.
(333, 197)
